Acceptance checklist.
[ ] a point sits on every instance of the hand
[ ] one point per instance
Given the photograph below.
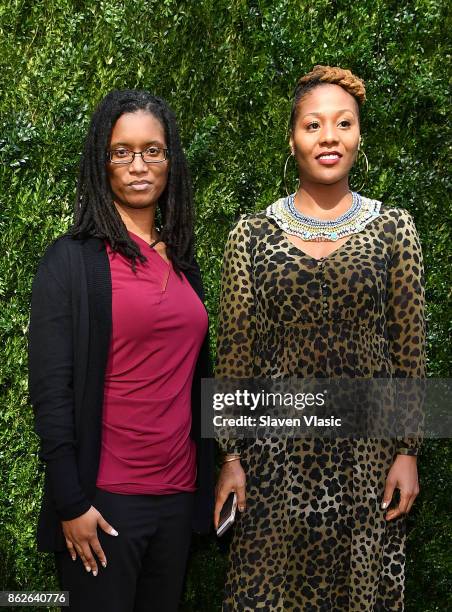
(81, 536)
(402, 475)
(232, 478)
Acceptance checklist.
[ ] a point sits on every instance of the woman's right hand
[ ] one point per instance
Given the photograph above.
(81, 538)
(231, 478)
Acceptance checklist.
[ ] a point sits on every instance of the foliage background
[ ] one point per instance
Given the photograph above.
(228, 69)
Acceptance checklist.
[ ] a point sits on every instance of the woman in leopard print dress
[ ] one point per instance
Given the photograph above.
(316, 534)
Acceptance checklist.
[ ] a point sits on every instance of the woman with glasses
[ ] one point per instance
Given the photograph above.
(324, 283)
(118, 345)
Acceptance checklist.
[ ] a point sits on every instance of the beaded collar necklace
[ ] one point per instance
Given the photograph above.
(292, 221)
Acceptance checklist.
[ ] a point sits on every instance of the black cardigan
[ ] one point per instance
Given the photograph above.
(69, 340)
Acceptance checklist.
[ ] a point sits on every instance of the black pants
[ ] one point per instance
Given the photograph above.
(145, 562)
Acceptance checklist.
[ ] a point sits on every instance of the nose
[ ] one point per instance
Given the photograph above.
(138, 165)
(329, 133)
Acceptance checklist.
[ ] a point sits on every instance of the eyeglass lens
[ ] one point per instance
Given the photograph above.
(149, 155)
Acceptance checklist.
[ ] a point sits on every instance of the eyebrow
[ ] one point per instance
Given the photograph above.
(339, 112)
(151, 142)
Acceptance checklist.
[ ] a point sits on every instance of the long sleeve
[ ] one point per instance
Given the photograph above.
(51, 385)
(205, 447)
(405, 311)
(236, 329)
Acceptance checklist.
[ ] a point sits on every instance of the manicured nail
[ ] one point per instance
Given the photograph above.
(113, 532)
(94, 572)
(104, 563)
(384, 505)
(241, 508)
(87, 567)
(73, 558)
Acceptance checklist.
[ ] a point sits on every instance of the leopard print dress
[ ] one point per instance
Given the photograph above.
(313, 537)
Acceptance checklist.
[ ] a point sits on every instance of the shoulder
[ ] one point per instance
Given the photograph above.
(54, 270)
(252, 225)
(398, 226)
(398, 221)
(399, 216)
(60, 249)
(67, 246)
(392, 220)
(64, 256)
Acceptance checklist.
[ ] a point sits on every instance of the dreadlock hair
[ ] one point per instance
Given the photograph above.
(95, 213)
(321, 75)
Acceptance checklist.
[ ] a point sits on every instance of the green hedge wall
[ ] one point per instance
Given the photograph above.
(228, 69)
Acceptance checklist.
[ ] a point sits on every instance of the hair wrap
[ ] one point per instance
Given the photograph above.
(328, 75)
(336, 76)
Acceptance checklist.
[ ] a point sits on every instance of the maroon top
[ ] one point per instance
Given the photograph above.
(158, 326)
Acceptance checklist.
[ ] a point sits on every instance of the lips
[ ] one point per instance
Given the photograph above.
(329, 155)
(139, 185)
(329, 158)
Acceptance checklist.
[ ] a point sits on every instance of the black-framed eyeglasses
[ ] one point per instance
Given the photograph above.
(151, 155)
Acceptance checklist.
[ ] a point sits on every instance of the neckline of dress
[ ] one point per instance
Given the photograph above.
(149, 246)
(316, 259)
(273, 214)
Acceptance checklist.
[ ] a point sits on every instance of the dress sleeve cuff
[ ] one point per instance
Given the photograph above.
(233, 447)
(407, 451)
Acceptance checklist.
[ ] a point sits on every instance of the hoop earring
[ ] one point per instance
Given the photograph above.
(367, 169)
(285, 173)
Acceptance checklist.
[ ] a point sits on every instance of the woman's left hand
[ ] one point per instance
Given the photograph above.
(403, 476)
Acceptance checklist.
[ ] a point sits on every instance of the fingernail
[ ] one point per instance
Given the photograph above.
(241, 508)
(113, 532)
(384, 505)
(94, 572)
(74, 558)
(104, 563)
(87, 567)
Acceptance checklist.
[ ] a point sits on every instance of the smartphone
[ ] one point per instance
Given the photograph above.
(227, 514)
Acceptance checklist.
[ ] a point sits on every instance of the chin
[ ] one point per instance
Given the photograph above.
(140, 203)
(322, 180)
(331, 179)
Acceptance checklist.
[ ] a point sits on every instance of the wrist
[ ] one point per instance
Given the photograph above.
(231, 458)
(407, 458)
